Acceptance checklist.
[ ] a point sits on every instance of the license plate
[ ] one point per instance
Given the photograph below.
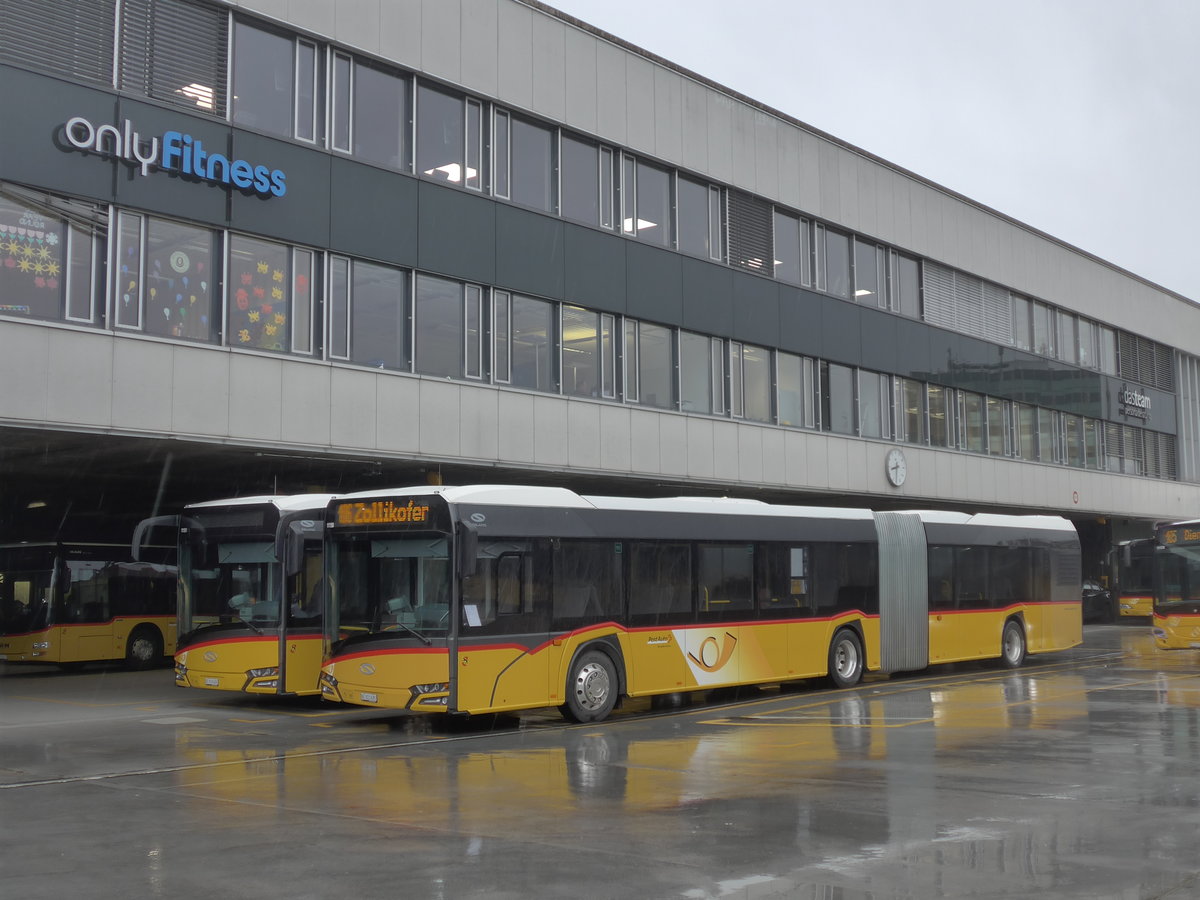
(212, 682)
(369, 698)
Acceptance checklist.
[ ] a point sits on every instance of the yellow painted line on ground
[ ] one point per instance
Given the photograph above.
(250, 721)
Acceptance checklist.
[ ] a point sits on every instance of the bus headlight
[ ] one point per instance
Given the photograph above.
(328, 685)
(264, 673)
(437, 688)
(41, 645)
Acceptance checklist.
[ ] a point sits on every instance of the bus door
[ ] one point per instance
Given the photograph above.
(301, 650)
(82, 606)
(905, 618)
(502, 658)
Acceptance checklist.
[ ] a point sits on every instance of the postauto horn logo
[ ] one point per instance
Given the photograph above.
(173, 152)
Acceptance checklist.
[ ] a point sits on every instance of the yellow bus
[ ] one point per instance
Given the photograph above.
(1176, 623)
(485, 598)
(1133, 572)
(249, 614)
(74, 603)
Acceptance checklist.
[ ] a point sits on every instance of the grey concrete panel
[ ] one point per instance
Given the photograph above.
(201, 389)
(616, 449)
(479, 422)
(316, 16)
(551, 442)
(25, 359)
(583, 434)
(708, 297)
(385, 227)
(610, 93)
(700, 463)
(529, 252)
(549, 68)
(841, 330)
(673, 445)
(33, 149)
(301, 214)
(439, 425)
(515, 31)
(595, 269)
(400, 25)
(456, 233)
(810, 173)
(398, 423)
(142, 385)
(829, 158)
(442, 39)
(750, 453)
(639, 104)
(580, 80)
(720, 137)
(167, 192)
(79, 384)
(643, 441)
(357, 24)
(280, 10)
(694, 153)
(755, 310)
(256, 399)
(354, 406)
(726, 450)
(654, 283)
(516, 427)
(668, 115)
(305, 404)
(744, 145)
(851, 213)
(766, 154)
(788, 189)
(800, 326)
(481, 48)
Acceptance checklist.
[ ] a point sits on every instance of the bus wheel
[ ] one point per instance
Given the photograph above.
(591, 688)
(1012, 645)
(144, 648)
(845, 659)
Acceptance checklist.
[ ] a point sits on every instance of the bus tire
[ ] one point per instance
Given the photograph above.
(144, 648)
(845, 659)
(591, 687)
(1012, 644)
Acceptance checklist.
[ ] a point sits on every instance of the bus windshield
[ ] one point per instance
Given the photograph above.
(1179, 577)
(24, 600)
(231, 581)
(393, 584)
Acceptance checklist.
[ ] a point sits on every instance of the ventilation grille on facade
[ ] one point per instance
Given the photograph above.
(751, 242)
(1145, 361)
(175, 51)
(73, 38)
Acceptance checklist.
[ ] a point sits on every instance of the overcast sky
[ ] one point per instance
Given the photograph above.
(1078, 117)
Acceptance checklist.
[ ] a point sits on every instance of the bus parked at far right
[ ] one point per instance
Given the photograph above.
(1177, 586)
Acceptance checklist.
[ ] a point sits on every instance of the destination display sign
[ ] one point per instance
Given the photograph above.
(383, 512)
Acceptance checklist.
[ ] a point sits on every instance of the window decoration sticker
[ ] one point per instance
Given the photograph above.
(261, 302)
(31, 266)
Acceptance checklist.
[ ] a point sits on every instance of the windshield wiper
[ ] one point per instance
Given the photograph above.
(427, 641)
(248, 623)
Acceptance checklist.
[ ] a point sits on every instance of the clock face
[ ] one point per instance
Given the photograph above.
(897, 467)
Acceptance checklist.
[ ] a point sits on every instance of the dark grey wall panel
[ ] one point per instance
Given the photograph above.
(654, 283)
(841, 332)
(800, 325)
(456, 233)
(33, 150)
(707, 297)
(171, 193)
(372, 212)
(914, 352)
(594, 272)
(879, 346)
(301, 214)
(755, 310)
(529, 252)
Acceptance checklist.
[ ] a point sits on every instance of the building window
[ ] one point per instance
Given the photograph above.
(792, 254)
(1022, 316)
(439, 333)
(48, 263)
(270, 296)
(1043, 329)
(904, 285)
(649, 364)
(368, 314)
(911, 397)
(874, 405)
(698, 214)
(1026, 431)
(755, 382)
(588, 353)
(645, 201)
(796, 391)
(973, 432)
(832, 255)
(837, 398)
(580, 179)
(870, 275)
(940, 423)
(1068, 341)
(370, 113)
(997, 426)
(274, 83)
(176, 51)
(530, 342)
(444, 122)
(524, 162)
(698, 383)
(1048, 450)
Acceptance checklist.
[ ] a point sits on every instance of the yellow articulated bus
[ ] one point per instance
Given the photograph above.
(249, 613)
(489, 598)
(1133, 570)
(74, 603)
(1177, 586)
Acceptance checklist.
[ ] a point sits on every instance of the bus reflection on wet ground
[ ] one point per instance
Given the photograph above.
(1071, 777)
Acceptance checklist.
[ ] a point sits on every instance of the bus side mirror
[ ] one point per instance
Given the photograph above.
(468, 549)
(290, 541)
(144, 528)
